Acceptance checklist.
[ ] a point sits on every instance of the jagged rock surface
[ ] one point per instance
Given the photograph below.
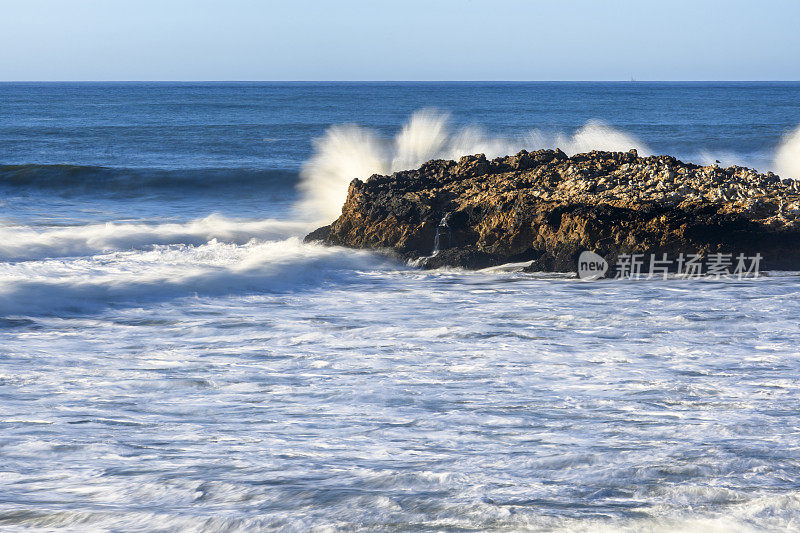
(547, 207)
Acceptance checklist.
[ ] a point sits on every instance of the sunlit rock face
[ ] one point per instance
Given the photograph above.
(546, 208)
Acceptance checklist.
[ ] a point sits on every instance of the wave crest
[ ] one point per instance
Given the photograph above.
(25, 243)
(133, 277)
(347, 152)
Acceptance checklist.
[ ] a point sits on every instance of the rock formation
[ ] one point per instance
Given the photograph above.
(546, 208)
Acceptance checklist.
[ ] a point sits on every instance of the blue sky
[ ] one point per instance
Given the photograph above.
(402, 40)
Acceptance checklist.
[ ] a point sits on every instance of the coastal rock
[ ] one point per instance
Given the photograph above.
(546, 208)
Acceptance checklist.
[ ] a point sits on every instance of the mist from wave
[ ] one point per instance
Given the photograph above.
(349, 151)
(787, 158)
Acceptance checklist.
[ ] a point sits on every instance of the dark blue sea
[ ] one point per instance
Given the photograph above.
(174, 358)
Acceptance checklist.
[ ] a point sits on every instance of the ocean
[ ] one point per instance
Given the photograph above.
(174, 358)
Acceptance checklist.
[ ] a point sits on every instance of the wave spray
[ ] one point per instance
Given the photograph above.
(347, 152)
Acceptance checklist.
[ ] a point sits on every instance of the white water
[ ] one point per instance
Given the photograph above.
(19, 242)
(133, 277)
(425, 400)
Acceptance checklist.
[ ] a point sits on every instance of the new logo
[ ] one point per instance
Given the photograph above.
(591, 266)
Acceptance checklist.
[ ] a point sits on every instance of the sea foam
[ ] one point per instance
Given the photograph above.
(20, 243)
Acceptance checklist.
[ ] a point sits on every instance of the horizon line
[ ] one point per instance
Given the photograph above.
(402, 81)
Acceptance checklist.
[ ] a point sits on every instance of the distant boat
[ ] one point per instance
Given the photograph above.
(633, 79)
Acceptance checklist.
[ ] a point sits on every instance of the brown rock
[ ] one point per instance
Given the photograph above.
(545, 207)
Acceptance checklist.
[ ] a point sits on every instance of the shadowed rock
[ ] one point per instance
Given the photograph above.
(546, 207)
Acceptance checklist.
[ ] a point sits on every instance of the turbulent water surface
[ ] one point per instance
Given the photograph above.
(174, 358)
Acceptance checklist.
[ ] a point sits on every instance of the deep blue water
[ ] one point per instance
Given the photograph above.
(174, 358)
(270, 126)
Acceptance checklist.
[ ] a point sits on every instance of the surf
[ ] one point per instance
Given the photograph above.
(26, 243)
(161, 273)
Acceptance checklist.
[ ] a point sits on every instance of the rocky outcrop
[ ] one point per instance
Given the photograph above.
(546, 207)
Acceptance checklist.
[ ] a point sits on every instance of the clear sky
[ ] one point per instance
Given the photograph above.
(399, 40)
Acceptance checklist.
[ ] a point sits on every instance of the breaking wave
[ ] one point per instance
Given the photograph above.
(348, 151)
(119, 278)
(23, 243)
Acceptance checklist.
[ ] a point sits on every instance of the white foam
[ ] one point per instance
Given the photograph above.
(172, 271)
(30, 242)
